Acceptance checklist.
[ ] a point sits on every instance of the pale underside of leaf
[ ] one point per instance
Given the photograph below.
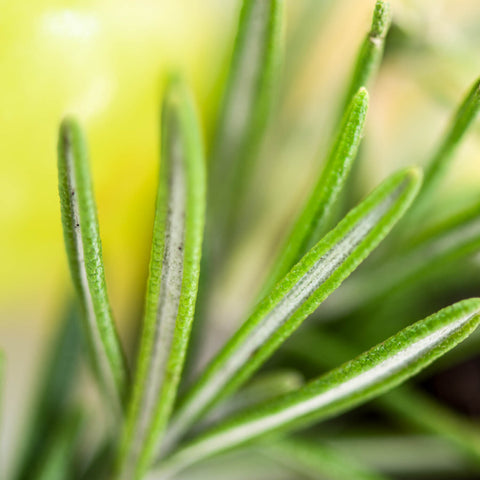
(371, 374)
(173, 281)
(303, 289)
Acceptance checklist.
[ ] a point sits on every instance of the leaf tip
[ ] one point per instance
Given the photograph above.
(382, 17)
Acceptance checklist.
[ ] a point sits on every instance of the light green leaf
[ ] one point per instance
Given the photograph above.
(313, 279)
(324, 350)
(312, 220)
(55, 391)
(2, 379)
(424, 412)
(316, 460)
(407, 456)
(245, 108)
(369, 375)
(173, 281)
(439, 247)
(263, 387)
(371, 52)
(84, 251)
(437, 166)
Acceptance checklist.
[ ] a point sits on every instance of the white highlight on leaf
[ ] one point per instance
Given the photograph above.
(281, 312)
(356, 385)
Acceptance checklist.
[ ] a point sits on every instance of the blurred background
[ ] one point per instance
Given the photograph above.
(105, 61)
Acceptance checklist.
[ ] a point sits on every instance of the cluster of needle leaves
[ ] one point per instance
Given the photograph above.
(159, 426)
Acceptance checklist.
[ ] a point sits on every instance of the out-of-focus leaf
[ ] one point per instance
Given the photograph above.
(263, 387)
(57, 459)
(431, 252)
(404, 404)
(316, 460)
(244, 112)
(437, 166)
(55, 388)
(371, 52)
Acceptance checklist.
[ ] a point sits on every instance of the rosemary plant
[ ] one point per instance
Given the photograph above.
(252, 394)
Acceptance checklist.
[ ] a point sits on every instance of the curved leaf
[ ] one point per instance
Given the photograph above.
(315, 460)
(84, 251)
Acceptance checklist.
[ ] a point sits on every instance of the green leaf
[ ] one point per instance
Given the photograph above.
(369, 375)
(312, 220)
(55, 391)
(245, 108)
(437, 166)
(371, 52)
(173, 281)
(316, 460)
(428, 255)
(84, 251)
(405, 456)
(60, 448)
(424, 412)
(311, 281)
(263, 387)
(324, 350)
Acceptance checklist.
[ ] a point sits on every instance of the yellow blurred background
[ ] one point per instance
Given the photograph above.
(104, 61)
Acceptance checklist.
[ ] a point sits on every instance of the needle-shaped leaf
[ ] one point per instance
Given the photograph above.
(263, 387)
(173, 281)
(404, 456)
(312, 220)
(56, 463)
(457, 237)
(371, 51)
(369, 375)
(438, 165)
(84, 251)
(55, 391)
(245, 107)
(316, 460)
(312, 280)
(405, 404)
(425, 413)
(2, 379)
